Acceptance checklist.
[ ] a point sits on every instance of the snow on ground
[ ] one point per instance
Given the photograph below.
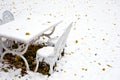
(93, 46)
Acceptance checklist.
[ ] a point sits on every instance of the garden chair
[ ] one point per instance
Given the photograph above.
(50, 54)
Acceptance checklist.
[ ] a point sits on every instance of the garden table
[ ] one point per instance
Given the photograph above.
(23, 32)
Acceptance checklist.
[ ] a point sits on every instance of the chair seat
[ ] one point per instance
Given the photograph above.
(46, 51)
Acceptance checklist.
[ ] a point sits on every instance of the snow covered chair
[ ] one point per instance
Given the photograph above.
(51, 54)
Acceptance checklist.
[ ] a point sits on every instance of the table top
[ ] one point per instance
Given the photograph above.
(26, 30)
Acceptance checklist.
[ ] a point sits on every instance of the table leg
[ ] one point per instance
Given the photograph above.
(48, 35)
(19, 51)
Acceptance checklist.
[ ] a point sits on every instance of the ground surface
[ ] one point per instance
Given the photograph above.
(93, 46)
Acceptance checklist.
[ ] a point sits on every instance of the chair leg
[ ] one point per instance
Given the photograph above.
(61, 54)
(37, 65)
(38, 59)
(51, 68)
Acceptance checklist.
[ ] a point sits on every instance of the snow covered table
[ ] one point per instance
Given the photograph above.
(24, 32)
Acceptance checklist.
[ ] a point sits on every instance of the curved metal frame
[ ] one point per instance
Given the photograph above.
(18, 51)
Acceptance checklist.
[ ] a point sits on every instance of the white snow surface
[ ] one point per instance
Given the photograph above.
(93, 45)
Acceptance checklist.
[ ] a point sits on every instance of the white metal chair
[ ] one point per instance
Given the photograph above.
(51, 54)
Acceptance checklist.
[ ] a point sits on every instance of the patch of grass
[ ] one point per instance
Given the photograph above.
(30, 55)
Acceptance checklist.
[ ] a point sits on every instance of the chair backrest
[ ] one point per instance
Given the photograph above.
(60, 44)
(7, 16)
